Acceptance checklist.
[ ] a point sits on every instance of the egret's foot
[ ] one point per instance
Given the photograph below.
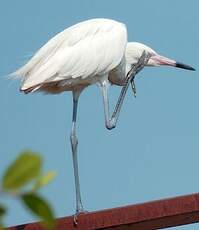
(75, 217)
(133, 87)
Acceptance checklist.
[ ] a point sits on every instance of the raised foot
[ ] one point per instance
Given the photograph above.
(136, 68)
(133, 87)
(78, 213)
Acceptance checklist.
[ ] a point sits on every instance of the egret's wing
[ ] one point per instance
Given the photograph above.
(85, 49)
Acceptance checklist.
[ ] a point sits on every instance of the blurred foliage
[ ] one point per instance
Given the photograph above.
(39, 207)
(22, 180)
(25, 168)
(2, 213)
(44, 179)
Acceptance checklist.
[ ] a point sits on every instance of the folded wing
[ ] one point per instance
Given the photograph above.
(86, 49)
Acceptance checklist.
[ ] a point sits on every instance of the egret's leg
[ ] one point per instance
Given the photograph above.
(104, 88)
(112, 121)
(74, 143)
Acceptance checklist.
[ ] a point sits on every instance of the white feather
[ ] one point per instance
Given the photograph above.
(93, 47)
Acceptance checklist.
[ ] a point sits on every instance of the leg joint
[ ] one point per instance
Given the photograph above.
(73, 139)
(111, 124)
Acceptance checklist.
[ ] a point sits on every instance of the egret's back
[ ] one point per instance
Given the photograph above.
(87, 49)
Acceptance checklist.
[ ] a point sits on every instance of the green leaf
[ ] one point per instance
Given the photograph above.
(44, 179)
(40, 208)
(2, 211)
(26, 167)
(2, 226)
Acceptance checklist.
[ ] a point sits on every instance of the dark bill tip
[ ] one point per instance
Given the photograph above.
(184, 66)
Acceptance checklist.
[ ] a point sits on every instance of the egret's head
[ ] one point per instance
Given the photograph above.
(134, 51)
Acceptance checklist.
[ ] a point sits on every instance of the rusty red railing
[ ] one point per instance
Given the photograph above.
(150, 215)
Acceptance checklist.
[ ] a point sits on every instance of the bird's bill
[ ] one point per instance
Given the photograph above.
(184, 66)
(161, 60)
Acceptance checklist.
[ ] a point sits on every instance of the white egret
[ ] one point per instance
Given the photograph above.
(93, 51)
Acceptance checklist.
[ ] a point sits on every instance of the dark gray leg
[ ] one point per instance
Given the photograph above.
(74, 143)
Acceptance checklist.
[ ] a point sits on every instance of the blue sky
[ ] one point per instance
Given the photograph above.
(154, 151)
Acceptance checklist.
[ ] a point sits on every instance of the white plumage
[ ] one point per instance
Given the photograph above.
(93, 51)
(87, 49)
